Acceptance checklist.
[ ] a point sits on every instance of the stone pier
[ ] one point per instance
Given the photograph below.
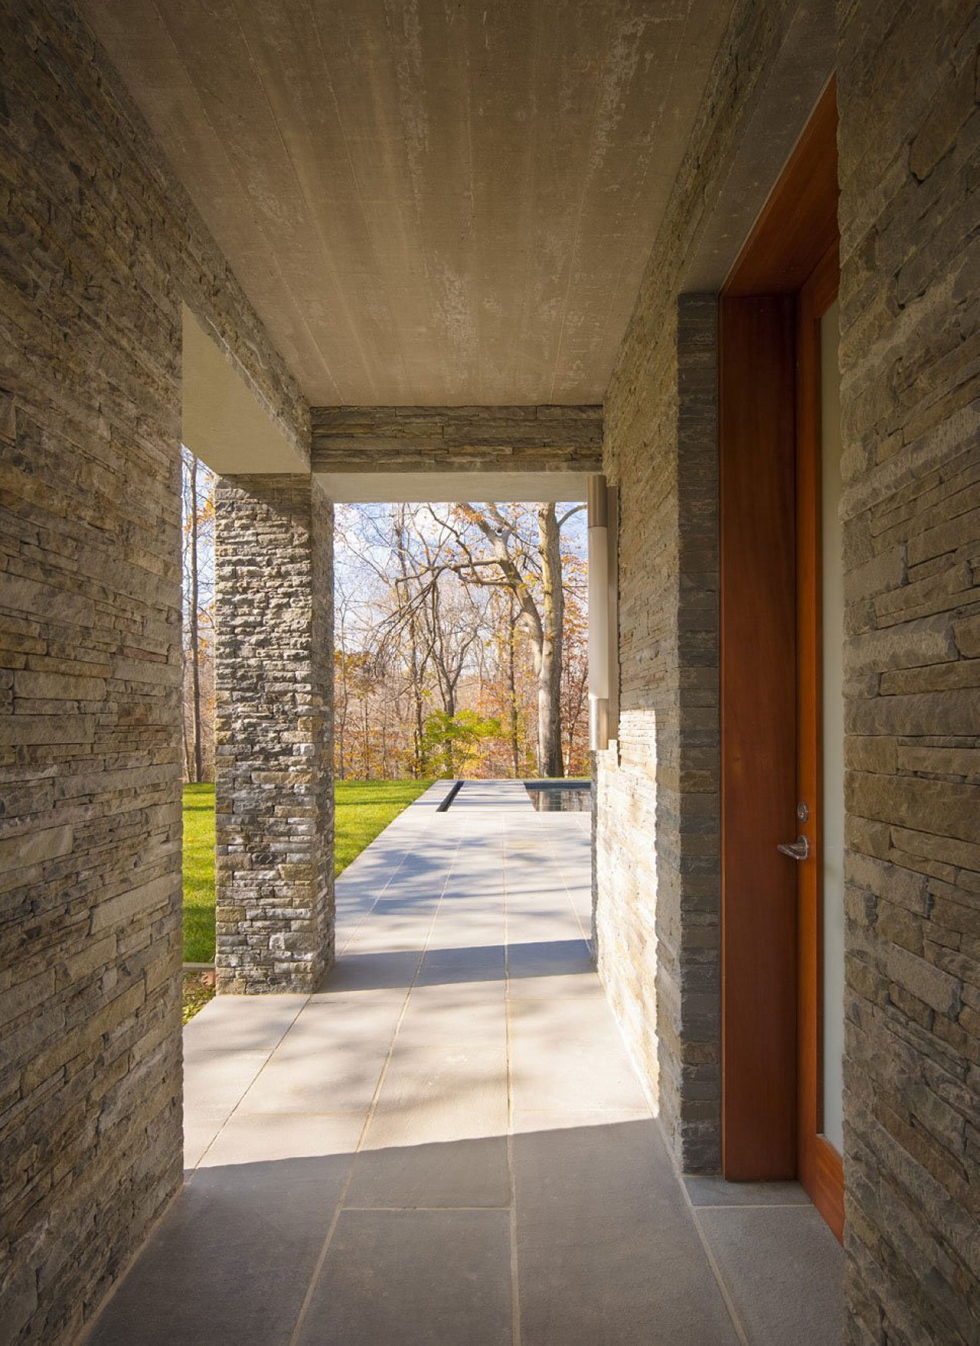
(274, 798)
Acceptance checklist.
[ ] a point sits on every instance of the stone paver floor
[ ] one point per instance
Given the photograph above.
(448, 1145)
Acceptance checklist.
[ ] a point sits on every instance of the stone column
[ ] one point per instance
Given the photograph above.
(274, 786)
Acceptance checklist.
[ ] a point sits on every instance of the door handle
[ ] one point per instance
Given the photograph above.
(796, 850)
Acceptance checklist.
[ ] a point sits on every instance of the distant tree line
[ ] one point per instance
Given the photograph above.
(460, 640)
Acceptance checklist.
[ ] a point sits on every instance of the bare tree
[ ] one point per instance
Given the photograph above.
(455, 612)
(513, 561)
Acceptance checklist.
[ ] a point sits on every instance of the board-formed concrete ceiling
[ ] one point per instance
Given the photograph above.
(428, 201)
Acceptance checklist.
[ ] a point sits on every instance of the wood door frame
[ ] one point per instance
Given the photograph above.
(820, 1166)
(764, 1037)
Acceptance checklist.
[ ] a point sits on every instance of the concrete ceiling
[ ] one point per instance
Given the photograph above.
(428, 201)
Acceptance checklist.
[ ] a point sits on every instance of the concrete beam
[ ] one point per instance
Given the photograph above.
(223, 420)
(382, 488)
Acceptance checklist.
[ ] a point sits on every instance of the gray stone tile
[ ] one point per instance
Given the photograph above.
(542, 1120)
(607, 1252)
(568, 1055)
(707, 1190)
(231, 1261)
(449, 1093)
(215, 1082)
(461, 1173)
(474, 1014)
(369, 971)
(240, 1023)
(341, 1080)
(482, 962)
(783, 1269)
(198, 1135)
(414, 1278)
(548, 957)
(265, 1137)
(608, 1248)
(332, 1024)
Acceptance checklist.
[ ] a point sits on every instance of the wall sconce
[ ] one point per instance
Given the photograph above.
(602, 606)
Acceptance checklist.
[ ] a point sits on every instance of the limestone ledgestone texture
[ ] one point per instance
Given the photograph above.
(657, 911)
(908, 149)
(440, 439)
(909, 156)
(657, 844)
(273, 769)
(100, 247)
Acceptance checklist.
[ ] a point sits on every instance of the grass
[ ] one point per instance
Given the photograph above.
(363, 809)
(198, 873)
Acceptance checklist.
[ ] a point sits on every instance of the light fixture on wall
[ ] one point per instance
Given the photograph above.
(599, 642)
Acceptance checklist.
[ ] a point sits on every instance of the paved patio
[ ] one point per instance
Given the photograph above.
(448, 1145)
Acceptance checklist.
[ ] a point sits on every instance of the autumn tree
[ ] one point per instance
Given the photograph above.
(439, 617)
(531, 570)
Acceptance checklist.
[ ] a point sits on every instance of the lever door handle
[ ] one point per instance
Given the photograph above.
(796, 850)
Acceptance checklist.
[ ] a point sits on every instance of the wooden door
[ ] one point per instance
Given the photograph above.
(772, 713)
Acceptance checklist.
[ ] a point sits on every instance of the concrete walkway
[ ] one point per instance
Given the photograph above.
(448, 1146)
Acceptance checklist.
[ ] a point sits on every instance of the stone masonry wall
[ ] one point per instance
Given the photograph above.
(274, 681)
(909, 158)
(657, 923)
(657, 910)
(440, 439)
(908, 152)
(98, 247)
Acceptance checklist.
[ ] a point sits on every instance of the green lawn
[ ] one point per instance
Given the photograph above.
(364, 808)
(198, 873)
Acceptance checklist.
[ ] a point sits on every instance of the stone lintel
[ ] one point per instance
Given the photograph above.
(473, 439)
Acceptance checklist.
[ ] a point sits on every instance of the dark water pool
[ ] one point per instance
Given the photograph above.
(573, 797)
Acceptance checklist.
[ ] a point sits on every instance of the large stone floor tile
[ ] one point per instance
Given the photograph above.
(231, 1261)
(470, 1014)
(375, 971)
(334, 1024)
(215, 1082)
(532, 928)
(707, 1190)
(198, 1136)
(457, 1174)
(607, 1253)
(465, 963)
(268, 1137)
(462, 1052)
(414, 1278)
(783, 1269)
(531, 1120)
(568, 1055)
(342, 1080)
(538, 958)
(403, 935)
(578, 986)
(240, 1023)
(449, 1093)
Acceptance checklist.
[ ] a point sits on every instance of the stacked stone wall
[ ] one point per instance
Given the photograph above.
(274, 794)
(98, 248)
(908, 144)
(468, 439)
(909, 157)
(657, 845)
